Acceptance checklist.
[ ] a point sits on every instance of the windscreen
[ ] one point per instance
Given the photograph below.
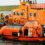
(17, 27)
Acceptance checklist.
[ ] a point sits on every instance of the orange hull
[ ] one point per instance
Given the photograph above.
(28, 32)
(23, 38)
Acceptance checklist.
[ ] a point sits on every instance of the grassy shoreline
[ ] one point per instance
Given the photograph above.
(8, 8)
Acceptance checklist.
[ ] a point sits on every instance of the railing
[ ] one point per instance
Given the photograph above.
(41, 5)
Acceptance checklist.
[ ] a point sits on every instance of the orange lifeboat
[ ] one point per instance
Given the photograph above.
(31, 31)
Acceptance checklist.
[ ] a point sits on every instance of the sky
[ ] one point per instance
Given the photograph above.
(40, 1)
(14, 2)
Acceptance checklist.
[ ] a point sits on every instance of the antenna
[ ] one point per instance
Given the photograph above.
(35, 1)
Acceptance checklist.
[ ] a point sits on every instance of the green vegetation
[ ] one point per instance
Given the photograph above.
(2, 8)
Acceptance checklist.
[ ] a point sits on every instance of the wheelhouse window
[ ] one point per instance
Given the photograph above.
(22, 13)
(30, 14)
(18, 13)
(30, 2)
(14, 13)
(34, 14)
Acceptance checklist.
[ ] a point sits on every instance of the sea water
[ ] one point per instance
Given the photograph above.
(6, 12)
